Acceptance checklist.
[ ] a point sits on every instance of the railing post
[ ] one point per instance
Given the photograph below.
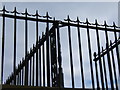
(70, 50)
(47, 51)
(3, 46)
(97, 79)
(37, 49)
(14, 65)
(100, 61)
(0, 45)
(54, 65)
(80, 55)
(90, 53)
(60, 74)
(26, 45)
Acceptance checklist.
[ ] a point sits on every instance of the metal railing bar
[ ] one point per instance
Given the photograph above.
(98, 46)
(47, 51)
(70, 50)
(114, 68)
(37, 49)
(90, 54)
(14, 59)
(3, 47)
(80, 55)
(105, 74)
(43, 53)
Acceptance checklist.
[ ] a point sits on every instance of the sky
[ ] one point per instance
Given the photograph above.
(92, 10)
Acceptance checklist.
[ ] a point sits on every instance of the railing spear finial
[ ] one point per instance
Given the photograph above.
(4, 8)
(96, 22)
(68, 17)
(15, 9)
(110, 42)
(78, 19)
(37, 13)
(105, 23)
(26, 11)
(87, 22)
(114, 24)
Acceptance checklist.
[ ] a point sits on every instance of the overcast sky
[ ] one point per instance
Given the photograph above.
(91, 10)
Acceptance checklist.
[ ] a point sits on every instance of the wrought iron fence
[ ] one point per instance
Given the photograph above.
(63, 55)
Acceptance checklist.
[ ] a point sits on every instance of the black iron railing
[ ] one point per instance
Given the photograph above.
(59, 54)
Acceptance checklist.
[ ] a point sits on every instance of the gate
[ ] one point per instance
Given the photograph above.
(67, 54)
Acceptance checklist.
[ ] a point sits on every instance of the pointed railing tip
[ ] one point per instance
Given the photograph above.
(47, 14)
(78, 19)
(110, 42)
(94, 54)
(114, 25)
(86, 19)
(4, 7)
(26, 11)
(15, 8)
(37, 13)
(68, 17)
(96, 22)
(105, 23)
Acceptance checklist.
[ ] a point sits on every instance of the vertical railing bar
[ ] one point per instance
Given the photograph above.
(80, 55)
(37, 49)
(61, 80)
(105, 71)
(97, 79)
(71, 58)
(23, 76)
(108, 56)
(117, 52)
(47, 52)
(100, 64)
(33, 68)
(3, 46)
(30, 67)
(51, 64)
(56, 71)
(20, 73)
(90, 54)
(40, 62)
(114, 69)
(26, 44)
(14, 60)
(20, 77)
(43, 63)
(110, 68)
